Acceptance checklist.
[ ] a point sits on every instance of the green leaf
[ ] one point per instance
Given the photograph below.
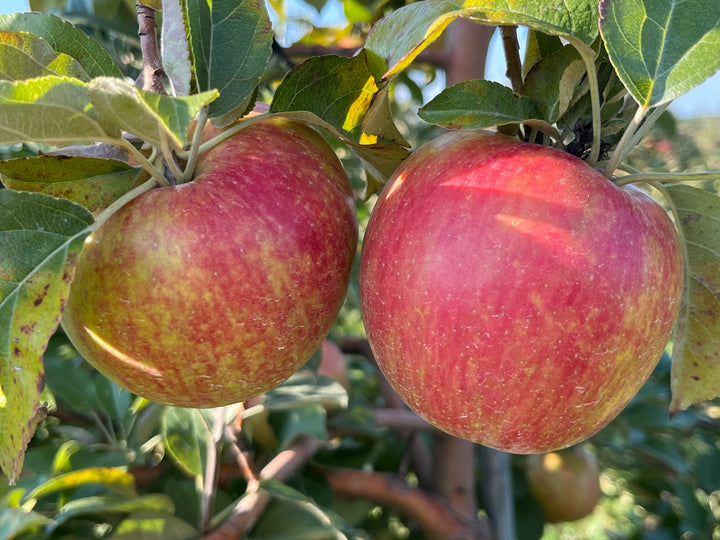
(478, 104)
(304, 420)
(147, 115)
(99, 504)
(53, 110)
(112, 478)
(233, 70)
(695, 374)
(303, 389)
(92, 182)
(553, 80)
(113, 400)
(25, 56)
(187, 438)
(64, 38)
(175, 53)
(661, 49)
(335, 88)
(40, 239)
(398, 38)
(154, 526)
(14, 521)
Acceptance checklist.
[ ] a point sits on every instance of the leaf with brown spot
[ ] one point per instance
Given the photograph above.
(90, 181)
(40, 240)
(696, 348)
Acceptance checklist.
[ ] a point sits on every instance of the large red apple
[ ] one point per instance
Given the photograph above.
(513, 295)
(566, 484)
(214, 291)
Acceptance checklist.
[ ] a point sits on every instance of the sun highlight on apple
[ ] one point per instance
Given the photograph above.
(513, 295)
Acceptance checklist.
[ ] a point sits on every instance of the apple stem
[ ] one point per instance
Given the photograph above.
(170, 160)
(588, 57)
(195, 145)
(512, 57)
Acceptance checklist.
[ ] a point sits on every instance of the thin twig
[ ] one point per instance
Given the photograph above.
(512, 57)
(152, 65)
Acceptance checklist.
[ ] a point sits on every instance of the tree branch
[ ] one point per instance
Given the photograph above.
(437, 519)
(512, 57)
(253, 504)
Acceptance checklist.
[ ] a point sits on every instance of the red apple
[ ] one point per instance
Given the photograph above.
(214, 291)
(565, 483)
(514, 296)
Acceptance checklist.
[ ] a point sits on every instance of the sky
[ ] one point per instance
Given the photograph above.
(704, 100)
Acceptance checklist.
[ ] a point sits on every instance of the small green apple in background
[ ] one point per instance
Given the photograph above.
(565, 483)
(214, 291)
(514, 296)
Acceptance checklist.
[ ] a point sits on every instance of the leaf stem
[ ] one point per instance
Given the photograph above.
(624, 146)
(144, 162)
(588, 57)
(170, 159)
(211, 469)
(119, 203)
(651, 177)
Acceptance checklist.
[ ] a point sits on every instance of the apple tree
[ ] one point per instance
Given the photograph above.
(193, 343)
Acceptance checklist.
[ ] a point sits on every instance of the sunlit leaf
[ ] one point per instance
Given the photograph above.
(93, 182)
(64, 38)
(25, 56)
(153, 502)
(54, 110)
(113, 478)
(398, 38)
(147, 115)
(478, 104)
(145, 525)
(40, 239)
(695, 374)
(661, 49)
(233, 70)
(337, 89)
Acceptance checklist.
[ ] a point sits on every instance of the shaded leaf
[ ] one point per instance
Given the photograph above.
(695, 373)
(302, 389)
(154, 502)
(235, 70)
(187, 438)
(40, 239)
(298, 421)
(64, 38)
(478, 104)
(553, 80)
(175, 53)
(661, 49)
(398, 38)
(337, 89)
(25, 56)
(54, 110)
(93, 182)
(147, 115)
(378, 119)
(14, 521)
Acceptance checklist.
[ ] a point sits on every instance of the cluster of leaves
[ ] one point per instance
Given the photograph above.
(592, 89)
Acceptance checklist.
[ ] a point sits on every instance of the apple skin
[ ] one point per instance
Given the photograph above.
(566, 484)
(512, 295)
(214, 291)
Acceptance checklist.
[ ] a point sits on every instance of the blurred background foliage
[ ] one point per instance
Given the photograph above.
(105, 463)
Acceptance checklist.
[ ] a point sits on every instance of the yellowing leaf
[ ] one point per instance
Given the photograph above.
(696, 346)
(40, 240)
